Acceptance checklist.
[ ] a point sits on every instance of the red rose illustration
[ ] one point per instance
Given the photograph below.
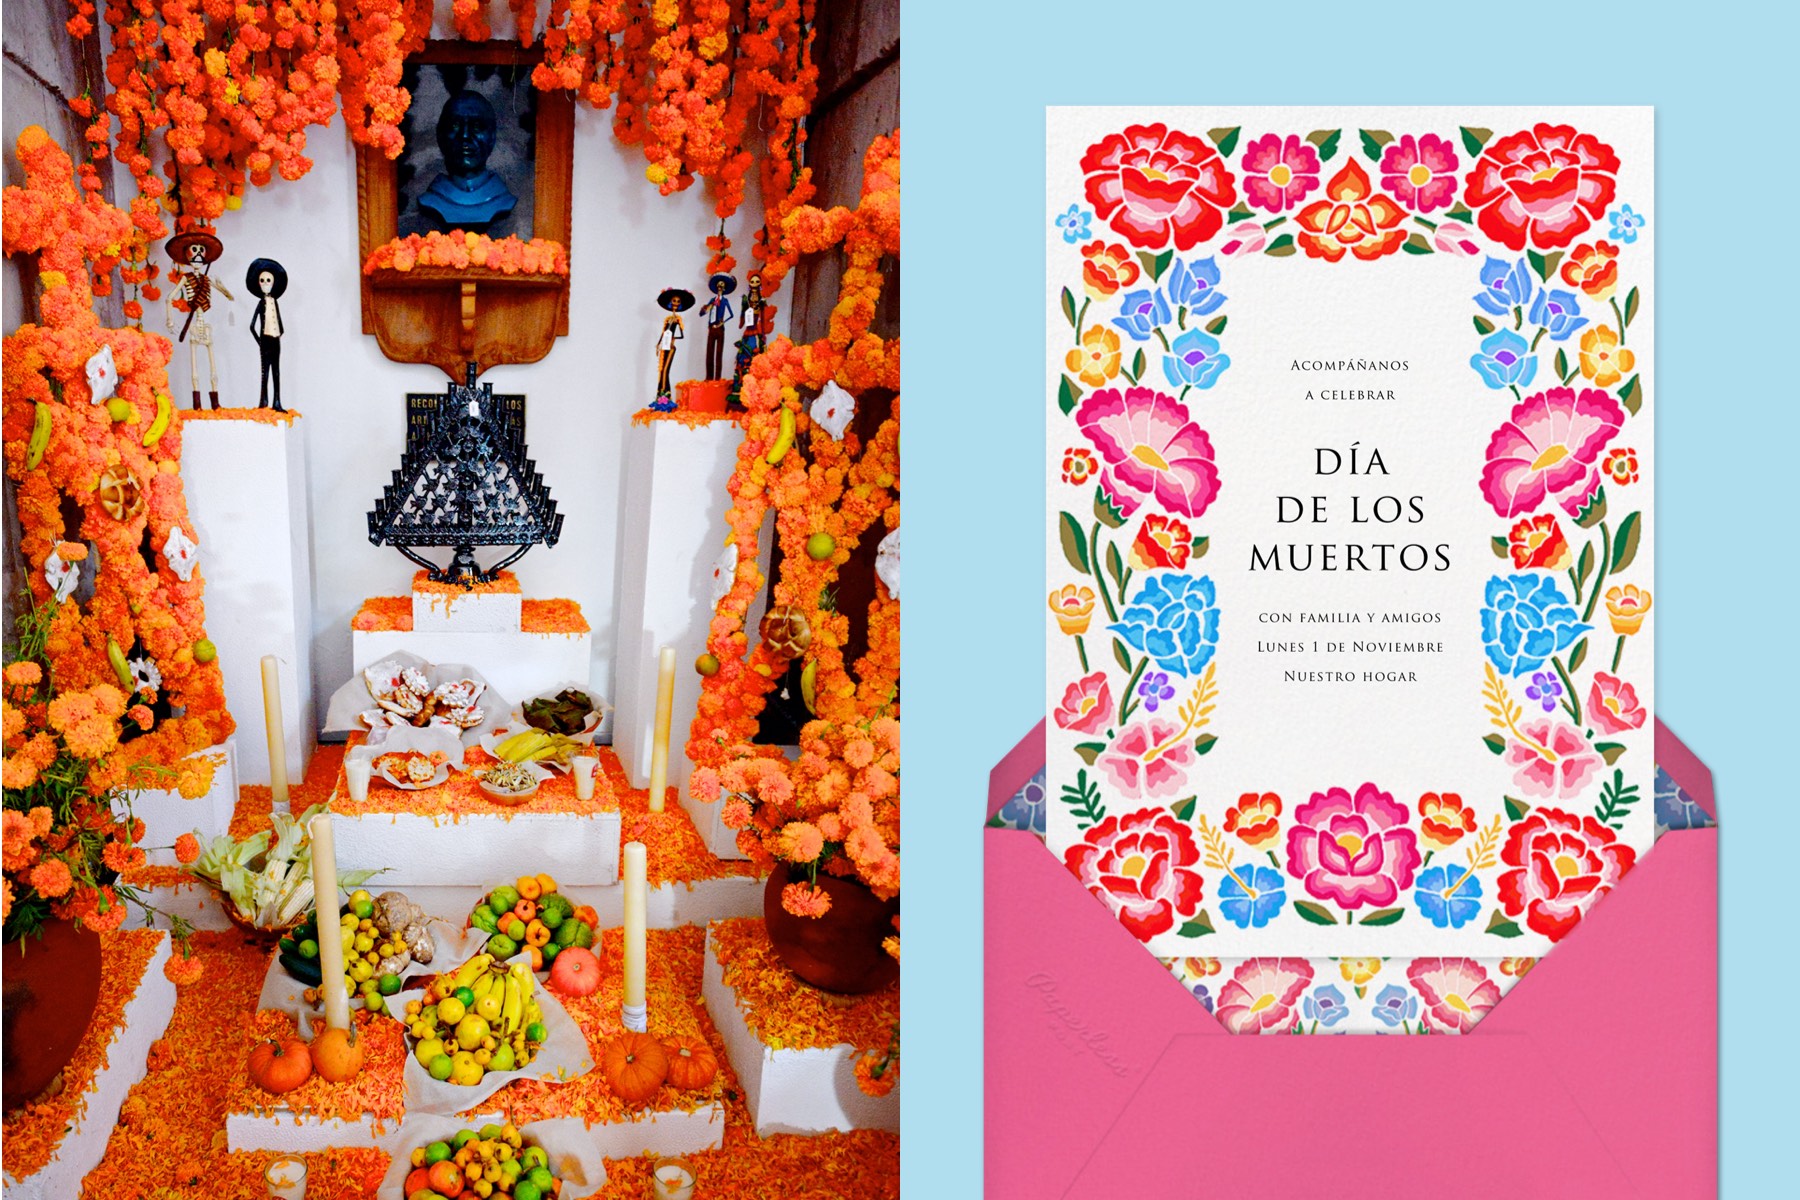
(1141, 867)
(1544, 185)
(1563, 863)
(1151, 183)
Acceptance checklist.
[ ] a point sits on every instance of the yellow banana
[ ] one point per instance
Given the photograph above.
(483, 985)
(165, 412)
(809, 680)
(466, 974)
(120, 667)
(40, 436)
(783, 439)
(511, 1006)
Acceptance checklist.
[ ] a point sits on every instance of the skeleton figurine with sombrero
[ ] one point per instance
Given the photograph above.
(673, 301)
(194, 253)
(717, 311)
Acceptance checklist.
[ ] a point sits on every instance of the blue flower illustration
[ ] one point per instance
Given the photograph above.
(1527, 619)
(1196, 361)
(1503, 287)
(1026, 810)
(1154, 689)
(1395, 1005)
(1325, 1005)
(1448, 896)
(1674, 809)
(1175, 620)
(1546, 689)
(1195, 286)
(1256, 906)
(1625, 223)
(1074, 224)
(1202, 995)
(1505, 360)
(1141, 312)
(1558, 312)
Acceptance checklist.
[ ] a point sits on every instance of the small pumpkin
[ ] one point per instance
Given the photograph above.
(280, 1065)
(692, 1063)
(337, 1055)
(635, 1065)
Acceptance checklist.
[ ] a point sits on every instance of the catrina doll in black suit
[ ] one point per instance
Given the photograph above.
(267, 280)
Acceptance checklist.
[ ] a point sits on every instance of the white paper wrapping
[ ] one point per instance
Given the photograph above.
(353, 698)
(574, 1158)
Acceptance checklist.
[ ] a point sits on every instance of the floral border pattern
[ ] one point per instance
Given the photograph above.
(1164, 208)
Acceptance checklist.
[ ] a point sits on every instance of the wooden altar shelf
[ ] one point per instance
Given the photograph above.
(793, 1046)
(371, 1109)
(51, 1145)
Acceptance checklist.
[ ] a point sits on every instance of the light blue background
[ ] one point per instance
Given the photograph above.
(977, 78)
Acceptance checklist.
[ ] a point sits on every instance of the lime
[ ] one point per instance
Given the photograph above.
(551, 917)
(374, 1002)
(707, 664)
(466, 995)
(364, 908)
(502, 898)
(360, 895)
(535, 1032)
(819, 546)
(205, 651)
(542, 1177)
(490, 1131)
(502, 947)
(440, 1067)
(463, 1137)
(549, 950)
(527, 1190)
(437, 1152)
(389, 984)
(534, 1156)
(309, 949)
(119, 410)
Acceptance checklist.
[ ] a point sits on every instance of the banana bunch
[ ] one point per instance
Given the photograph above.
(520, 1015)
(464, 976)
(535, 745)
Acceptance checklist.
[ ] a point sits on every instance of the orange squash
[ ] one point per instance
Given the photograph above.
(692, 1063)
(280, 1066)
(635, 1065)
(337, 1055)
(537, 934)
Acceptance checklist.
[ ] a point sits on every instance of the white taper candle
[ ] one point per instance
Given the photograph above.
(331, 934)
(665, 708)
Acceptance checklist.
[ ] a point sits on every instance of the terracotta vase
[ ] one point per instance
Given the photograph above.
(50, 993)
(704, 395)
(840, 951)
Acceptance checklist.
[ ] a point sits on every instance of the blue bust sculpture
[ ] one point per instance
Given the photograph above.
(467, 195)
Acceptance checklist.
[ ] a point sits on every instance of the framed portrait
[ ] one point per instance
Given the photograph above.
(488, 153)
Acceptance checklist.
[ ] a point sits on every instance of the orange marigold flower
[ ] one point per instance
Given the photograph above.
(121, 857)
(24, 674)
(72, 552)
(182, 969)
(70, 710)
(108, 920)
(16, 835)
(800, 842)
(187, 849)
(877, 1072)
(142, 715)
(805, 900)
(51, 878)
(6, 899)
(859, 752)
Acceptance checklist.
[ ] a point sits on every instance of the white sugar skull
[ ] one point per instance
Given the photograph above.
(724, 573)
(144, 675)
(181, 552)
(60, 576)
(102, 375)
(833, 410)
(887, 563)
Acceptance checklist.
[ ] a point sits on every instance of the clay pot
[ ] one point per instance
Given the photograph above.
(50, 993)
(704, 395)
(840, 951)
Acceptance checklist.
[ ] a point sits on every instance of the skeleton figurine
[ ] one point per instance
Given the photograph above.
(717, 311)
(673, 301)
(194, 253)
(267, 280)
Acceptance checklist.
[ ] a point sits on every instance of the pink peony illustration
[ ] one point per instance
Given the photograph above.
(1613, 704)
(1353, 850)
(1149, 760)
(1260, 996)
(1152, 450)
(1554, 762)
(1457, 992)
(1086, 704)
(1548, 450)
(1141, 866)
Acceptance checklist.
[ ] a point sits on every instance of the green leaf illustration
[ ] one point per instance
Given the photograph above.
(1137, 364)
(1562, 364)
(1631, 306)
(1459, 213)
(1483, 326)
(1184, 809)
(1204, 743)
(1578, 655)
(1318, 914)
(1089, 751)
(1225, 139)
(1631, 397)
(1495, 742)
(1083, 799)
(1416, 244)
(1074, 544)
(1616, 799)
(1610, 751)
(1516, 809)
(1216, 326)
(1383, 916)
(1068, 306)
(1327, 142)
(1373, 140)
(1473, 140)
(1115, 566)
(1500, 546)
(1584, 566)
(1625, 542)
(1122, 656)
(1066, 395)
(1199, 547)
(1105, 512)
(1155, 264)
(1200, 926)
(1499, 926)
(1240, 213)
(1281, 247)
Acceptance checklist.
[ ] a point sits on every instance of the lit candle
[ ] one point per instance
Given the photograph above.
(672, 1179)
(665, 708)
(636, 900)
(286, 1177)
(331, 934)
(278, 780)
(585, 765)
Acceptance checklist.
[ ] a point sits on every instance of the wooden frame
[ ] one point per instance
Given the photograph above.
(448, 316)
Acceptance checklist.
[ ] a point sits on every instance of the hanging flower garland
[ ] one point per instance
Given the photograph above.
(836, 808)
(116, 459)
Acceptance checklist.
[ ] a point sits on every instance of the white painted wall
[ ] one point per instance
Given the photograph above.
(628, 242)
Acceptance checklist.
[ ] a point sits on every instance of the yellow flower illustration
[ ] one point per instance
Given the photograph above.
(1627, 606)
(1359, 971)
(1603, 360)
(1073, 606)
(1097, 361)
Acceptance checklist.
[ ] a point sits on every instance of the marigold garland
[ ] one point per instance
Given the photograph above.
(836, 808)
(509, 256)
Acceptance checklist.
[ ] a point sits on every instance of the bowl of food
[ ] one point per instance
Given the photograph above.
(572, 711)
(512, 783)
(413, 770)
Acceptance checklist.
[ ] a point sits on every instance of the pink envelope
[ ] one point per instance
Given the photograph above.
(1596, 1077)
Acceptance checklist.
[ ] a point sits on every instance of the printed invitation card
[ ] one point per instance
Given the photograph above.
(1351, 466)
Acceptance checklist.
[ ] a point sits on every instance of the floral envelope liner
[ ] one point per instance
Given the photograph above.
(1348, 995)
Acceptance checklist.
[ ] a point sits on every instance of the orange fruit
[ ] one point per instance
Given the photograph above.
(537, 958)
(529, 888)
(546, 885)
